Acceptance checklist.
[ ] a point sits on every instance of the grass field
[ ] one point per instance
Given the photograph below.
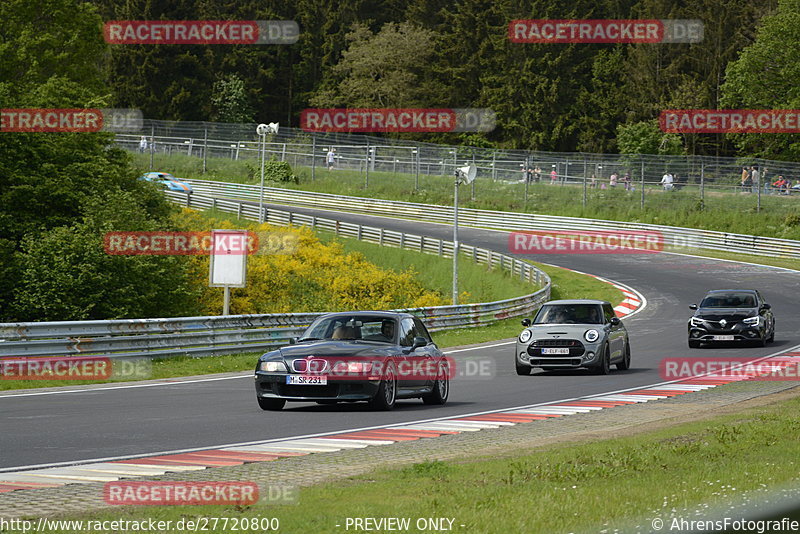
(722, 211)
(613, 485)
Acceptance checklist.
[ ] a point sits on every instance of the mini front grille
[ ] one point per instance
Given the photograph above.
(574, 347)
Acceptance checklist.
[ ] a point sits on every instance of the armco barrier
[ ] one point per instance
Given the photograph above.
(501, 220)
(203, 336)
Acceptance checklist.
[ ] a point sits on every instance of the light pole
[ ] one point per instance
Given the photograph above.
(463, 175)
(262, 130)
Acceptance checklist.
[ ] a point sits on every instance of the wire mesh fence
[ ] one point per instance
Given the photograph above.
(714, 182)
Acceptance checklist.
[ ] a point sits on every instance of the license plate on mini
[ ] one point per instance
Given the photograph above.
(564, 350)
(723, 338)
(306, 380)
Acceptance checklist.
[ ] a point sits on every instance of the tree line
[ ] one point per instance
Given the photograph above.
(435, 53)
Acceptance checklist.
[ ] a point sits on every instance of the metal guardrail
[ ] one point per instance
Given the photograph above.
(502, 220)
(202, 336)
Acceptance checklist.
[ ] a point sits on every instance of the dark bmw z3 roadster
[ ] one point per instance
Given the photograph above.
(378, 357)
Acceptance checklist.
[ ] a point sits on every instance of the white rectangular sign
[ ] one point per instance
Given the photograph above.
(228, 267)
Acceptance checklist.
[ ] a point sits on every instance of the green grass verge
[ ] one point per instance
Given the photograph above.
(595, 486)
(722, 211)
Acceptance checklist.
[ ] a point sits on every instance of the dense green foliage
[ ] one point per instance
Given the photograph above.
(431, 53)
(59, 192)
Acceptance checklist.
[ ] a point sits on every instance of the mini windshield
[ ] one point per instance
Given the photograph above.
(570, 314)
(729, 300)
(343, 327)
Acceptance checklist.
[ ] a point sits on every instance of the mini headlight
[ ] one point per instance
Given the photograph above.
(525, 336)
(696, 322)
(591, 335)
(753, 321)
(273, 367)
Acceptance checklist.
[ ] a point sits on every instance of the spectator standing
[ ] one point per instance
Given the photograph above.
(666, 181)
(612, 181)
(537, 174)
(593, 181)
(331, 158)
(553, 176)
(143, 144)
(626, 181)
(754, 177)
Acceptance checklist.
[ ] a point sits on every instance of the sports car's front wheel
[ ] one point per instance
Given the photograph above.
(625, 364)
(271, 404)
(604, 366)
(441, 388)
(386, 396)
(523, 370)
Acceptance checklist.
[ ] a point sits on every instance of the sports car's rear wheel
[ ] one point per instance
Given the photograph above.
(271, 404)
(625, 364)
(441, 388)
(386, 397)
(604, 366)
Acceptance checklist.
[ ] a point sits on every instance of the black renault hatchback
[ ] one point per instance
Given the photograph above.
(731, 315)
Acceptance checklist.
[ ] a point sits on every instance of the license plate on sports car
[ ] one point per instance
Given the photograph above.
(564, 350)
(306, 380)
(723, 338)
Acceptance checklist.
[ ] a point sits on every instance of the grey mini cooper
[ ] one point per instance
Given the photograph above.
(573, 334)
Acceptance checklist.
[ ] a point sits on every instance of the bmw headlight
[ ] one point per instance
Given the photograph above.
(591, 335)
(753, 321)
(696, 322)
(525, 336)
(273, 367)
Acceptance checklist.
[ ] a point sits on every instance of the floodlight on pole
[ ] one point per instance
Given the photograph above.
(263, 130)
(464, 175)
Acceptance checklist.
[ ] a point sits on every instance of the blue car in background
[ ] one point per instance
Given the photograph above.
(167, 181)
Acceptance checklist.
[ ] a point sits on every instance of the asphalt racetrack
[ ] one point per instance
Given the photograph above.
(46, 428)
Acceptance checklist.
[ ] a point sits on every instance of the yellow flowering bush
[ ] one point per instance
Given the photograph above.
(314, 277)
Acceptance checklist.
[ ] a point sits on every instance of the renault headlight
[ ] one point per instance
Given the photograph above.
(273, 367)
(591, 335)
(753, 321)
(696, 322)
(525, 336)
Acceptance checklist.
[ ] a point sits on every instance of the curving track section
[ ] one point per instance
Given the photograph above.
(114, 422)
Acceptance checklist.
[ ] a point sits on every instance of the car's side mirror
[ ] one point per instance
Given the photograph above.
(766, 306)
(692, 306)
(615, 321)
(419, 341)
(292, 340)
(526, 322)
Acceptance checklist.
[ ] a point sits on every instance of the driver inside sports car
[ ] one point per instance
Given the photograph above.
(386, 334)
